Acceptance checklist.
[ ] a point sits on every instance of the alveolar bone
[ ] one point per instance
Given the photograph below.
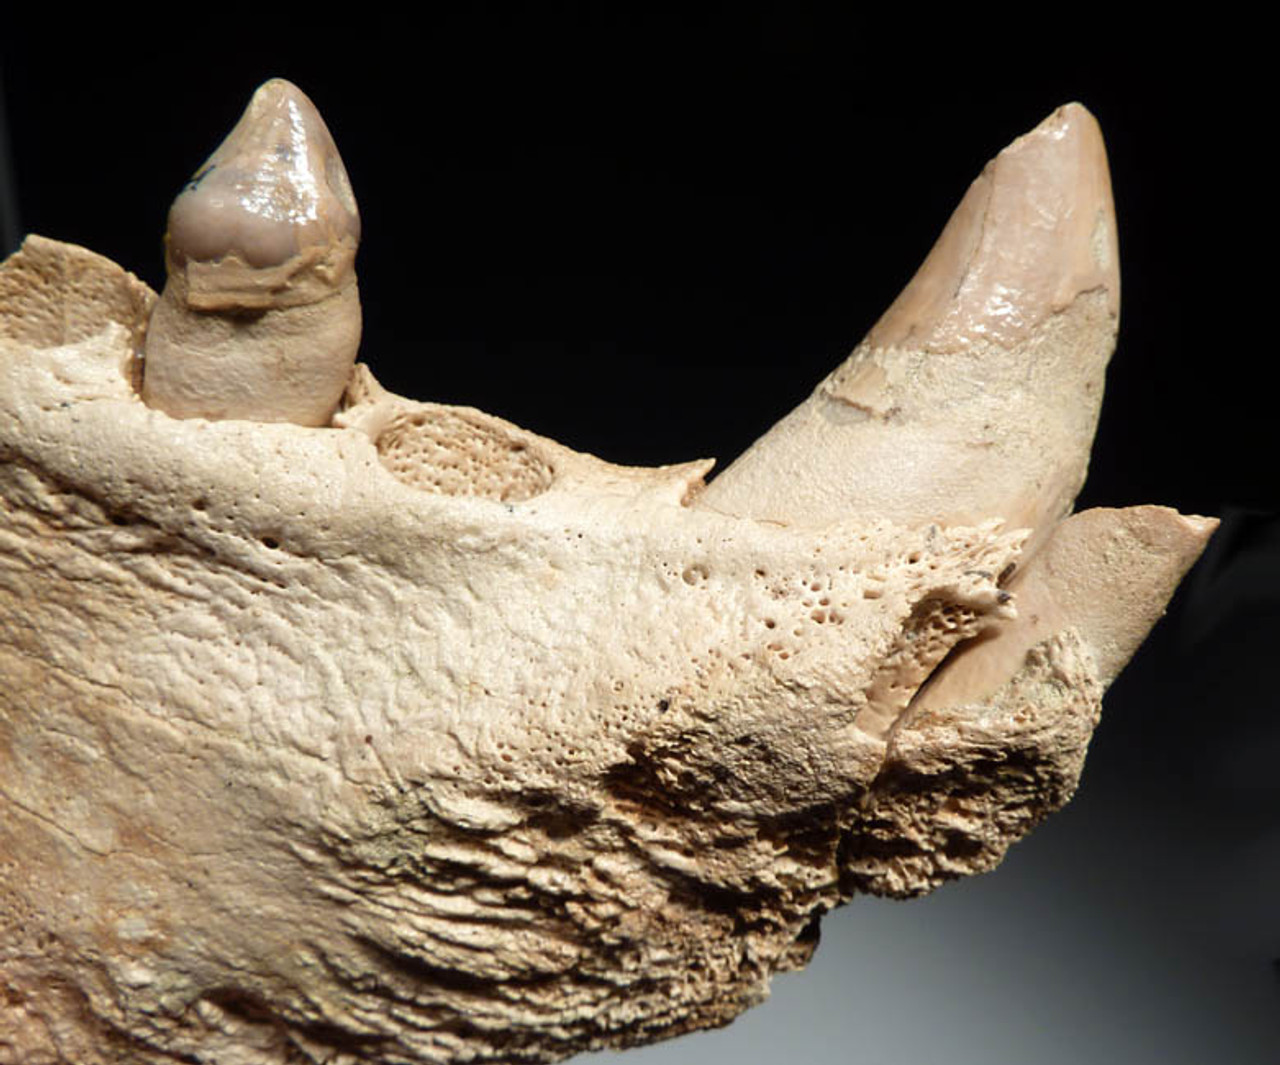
(417, 737)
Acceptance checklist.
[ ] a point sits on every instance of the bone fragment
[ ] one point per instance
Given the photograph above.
(977, 393)
(260, 316)
(411, 736)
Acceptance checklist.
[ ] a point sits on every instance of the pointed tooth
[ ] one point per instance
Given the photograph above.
(260, 317)
(1034, 231)
(274, 194)
(1107, 574)
(976, 395)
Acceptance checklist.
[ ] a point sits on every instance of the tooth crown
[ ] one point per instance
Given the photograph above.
(1035, 231)
(391, 731)
(270, 219)
(260, 317)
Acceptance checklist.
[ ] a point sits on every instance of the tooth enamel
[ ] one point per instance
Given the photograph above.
(260, 317)
(977, 393)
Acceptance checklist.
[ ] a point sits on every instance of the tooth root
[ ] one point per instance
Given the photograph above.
(260, 316)
(976, 395)
(1107, 574)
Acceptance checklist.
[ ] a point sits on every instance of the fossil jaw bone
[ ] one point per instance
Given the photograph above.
(447, 743)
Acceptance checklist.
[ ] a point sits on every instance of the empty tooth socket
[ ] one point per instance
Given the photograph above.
(451, 454)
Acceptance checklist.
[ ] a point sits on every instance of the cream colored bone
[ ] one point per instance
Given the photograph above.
(414, 736)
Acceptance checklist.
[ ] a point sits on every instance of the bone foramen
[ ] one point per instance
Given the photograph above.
(340, 727)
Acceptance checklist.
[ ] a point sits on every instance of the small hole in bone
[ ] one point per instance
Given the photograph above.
(694, 574)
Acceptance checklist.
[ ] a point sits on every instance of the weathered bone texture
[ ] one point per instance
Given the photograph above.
(417, 737)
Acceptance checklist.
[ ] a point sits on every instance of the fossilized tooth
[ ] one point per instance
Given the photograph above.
(260, 316)
(444, 742)
(977, 393)
(1105, 574)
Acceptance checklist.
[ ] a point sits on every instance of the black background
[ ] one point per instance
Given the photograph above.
(649, 238)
